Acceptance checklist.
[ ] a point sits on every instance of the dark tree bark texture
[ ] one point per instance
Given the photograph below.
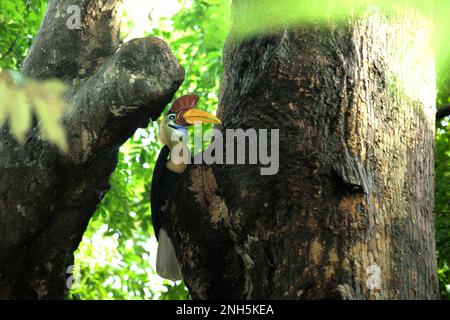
(46, 197)
(355, 106)
(354, 103)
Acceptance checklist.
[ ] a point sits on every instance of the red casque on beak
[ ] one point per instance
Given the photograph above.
(187, 115)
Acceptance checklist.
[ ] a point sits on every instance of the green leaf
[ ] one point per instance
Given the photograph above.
(19, 116)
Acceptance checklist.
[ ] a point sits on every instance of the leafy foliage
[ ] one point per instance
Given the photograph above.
(442, 192)
(19, 20)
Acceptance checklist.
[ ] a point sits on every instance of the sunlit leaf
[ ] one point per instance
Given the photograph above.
(21, 97)
(19, 115)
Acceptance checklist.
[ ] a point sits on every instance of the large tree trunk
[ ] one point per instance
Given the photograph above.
(47, 198)
(353, 200)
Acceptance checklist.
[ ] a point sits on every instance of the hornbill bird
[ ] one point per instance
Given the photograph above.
(171, 132)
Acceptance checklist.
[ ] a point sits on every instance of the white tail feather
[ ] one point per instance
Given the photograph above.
(166, 261)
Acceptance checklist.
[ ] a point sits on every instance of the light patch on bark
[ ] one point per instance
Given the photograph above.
(188, 255)
(345, 292)
(86, 140)
(116, 110)
(49, 266)
(204, 186)
(333, 259)
(190, 252)
(198, 284)
(81, 147)
(316, 251)
(355, 144)
(249, 264)
(201, 289)
(21, 209)
(42, 290)
(348, 208)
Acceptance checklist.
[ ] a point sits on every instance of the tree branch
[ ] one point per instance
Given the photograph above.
(65, 53)
(131, 87)
(48, 198)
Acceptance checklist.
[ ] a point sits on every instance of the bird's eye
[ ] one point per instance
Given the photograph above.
(171, 117)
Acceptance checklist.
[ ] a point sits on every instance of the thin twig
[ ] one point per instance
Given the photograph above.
(11, 48)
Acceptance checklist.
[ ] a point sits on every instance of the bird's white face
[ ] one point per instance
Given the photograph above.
(172, 129)
(170, 133)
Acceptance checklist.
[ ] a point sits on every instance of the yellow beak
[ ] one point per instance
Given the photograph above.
(193, 116)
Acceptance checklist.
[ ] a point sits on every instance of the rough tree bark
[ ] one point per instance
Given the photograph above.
(355, 105)
(47, 198)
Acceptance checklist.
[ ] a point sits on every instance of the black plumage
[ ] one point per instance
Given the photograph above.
(181, 115)
(163, 182)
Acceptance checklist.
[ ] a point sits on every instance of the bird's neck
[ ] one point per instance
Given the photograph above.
(179, 155)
